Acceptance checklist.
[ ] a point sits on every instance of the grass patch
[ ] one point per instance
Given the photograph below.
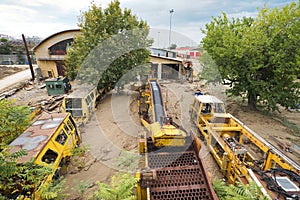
(291, 127)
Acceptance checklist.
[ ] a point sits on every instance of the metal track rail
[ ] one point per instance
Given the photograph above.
(270, 146)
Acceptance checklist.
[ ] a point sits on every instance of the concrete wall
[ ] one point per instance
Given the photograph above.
(13, 58)
(48, 66)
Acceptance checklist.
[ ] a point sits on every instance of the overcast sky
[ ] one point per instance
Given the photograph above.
(45, 17)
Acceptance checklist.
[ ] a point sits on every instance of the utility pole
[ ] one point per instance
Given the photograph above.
(158, 39)
(171, 12)
(28, 58)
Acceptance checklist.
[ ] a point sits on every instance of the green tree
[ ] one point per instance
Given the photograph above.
(258, 58)
(210, 72)
(121, 187)
(21, 58)
(13, 120)
(109, 37)
(5, 46)
(173, 46)
(17, 180)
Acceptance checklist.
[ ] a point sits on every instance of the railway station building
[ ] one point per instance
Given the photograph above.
(165, 64)
(165, 67)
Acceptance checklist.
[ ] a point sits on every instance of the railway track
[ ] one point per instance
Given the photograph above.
(270, 146)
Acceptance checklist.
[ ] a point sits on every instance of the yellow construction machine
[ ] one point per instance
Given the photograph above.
(241, 153)
(162, 129)
(49, 140)
(170, 167)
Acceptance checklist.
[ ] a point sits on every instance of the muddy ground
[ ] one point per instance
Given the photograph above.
(112, 133)
(8, 70)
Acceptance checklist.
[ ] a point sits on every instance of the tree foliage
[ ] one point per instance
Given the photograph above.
(259, 58)
(54, 190)
(127, 161)
(121, 187)
(5, 46)
(210, 72)
(246, 192)
(173, 46)
(112, 42)
(13, 120)
(17, 180)
(82, 187)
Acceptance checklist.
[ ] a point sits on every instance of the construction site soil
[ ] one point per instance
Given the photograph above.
(8, 70)
(115, 129)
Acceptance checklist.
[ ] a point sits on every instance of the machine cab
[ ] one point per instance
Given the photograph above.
(206, 106)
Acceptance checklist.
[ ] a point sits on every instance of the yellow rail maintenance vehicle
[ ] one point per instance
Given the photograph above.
(163, 131)
(230, 142)
(170, 167)
(81, 102)
(49, 141)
